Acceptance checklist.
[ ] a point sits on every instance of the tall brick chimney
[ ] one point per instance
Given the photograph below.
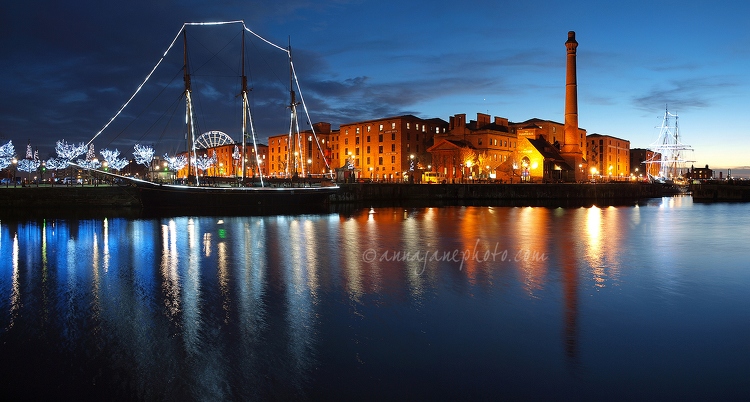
(571, 147)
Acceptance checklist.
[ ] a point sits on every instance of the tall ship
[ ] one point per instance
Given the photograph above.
(666, 162)
(296, 191)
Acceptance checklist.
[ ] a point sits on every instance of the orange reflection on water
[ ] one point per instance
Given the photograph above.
(532, 236)
(603, 234)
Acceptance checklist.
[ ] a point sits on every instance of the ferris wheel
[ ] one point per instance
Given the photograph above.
(212, 139)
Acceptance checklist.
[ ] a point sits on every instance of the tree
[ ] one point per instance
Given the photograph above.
(69, 151)
(112, 160)
(66, 152)
(204, 162)
(175, 163)
(7, 153)
(30, 163)
(468, 158)
(90, 162)
(143, 155)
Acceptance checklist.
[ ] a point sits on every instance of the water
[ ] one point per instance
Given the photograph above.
(647, 301)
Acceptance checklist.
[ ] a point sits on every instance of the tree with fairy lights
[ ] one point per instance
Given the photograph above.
(112, 160)
(30, 163)
(55, 164)
(205, 162)
(118, 164)
(143, 155)
(90, 162)
(7, 153)
(67, 152)
(175, 163)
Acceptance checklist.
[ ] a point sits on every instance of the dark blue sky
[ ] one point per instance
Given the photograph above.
(67, 67)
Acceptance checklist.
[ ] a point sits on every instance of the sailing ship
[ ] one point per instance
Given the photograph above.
(667, 163)
(294, 193)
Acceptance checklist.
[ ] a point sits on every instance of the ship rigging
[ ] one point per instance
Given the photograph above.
(668, 152)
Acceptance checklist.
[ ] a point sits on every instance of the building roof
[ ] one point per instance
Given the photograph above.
(433, 120)
(549, 152)
(451, 144)
(607, 136)
(535, 121)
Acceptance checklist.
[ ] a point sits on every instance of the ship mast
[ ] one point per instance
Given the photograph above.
(188, 113)
(244, 109)
(247, 120)
(668, 152)
(295, 149)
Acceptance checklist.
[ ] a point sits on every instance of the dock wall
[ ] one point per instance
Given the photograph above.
(363, 192)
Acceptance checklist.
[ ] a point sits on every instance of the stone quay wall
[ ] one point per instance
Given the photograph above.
(90, 197)
(78, 197)
(364, 192)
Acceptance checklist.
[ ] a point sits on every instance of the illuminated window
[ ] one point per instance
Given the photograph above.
(393, 126)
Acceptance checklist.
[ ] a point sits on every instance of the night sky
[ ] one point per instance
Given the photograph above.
(67, 67)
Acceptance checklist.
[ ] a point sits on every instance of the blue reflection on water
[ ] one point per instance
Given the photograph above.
(454, 302)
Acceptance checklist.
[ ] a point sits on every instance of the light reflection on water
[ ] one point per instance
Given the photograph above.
(450, 302)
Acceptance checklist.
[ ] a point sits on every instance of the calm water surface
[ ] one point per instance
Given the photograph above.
(647, 301)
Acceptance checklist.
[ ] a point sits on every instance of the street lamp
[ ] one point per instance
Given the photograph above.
(593, 174)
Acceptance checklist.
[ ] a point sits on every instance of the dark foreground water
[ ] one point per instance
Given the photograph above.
(649, 301)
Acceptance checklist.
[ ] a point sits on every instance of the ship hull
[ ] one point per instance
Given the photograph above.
(233, 200)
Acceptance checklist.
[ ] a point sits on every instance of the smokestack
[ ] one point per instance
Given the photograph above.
(571, 147)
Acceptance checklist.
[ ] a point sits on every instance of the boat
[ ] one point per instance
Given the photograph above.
(668, 155)
(297, 193)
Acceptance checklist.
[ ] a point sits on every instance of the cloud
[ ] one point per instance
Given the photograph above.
(694, 93)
